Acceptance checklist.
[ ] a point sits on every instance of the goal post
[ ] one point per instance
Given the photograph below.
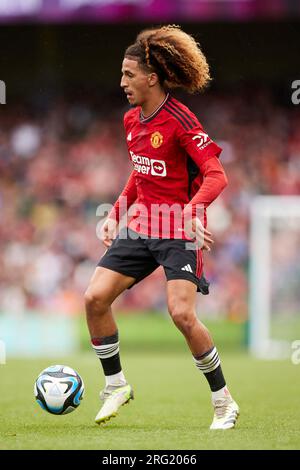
(267, 213)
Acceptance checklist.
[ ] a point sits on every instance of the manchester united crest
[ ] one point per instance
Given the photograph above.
(156, 139)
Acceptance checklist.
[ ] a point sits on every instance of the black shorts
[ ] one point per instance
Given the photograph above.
(138, 256)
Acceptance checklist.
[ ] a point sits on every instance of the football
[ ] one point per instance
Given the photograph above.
(59, 389)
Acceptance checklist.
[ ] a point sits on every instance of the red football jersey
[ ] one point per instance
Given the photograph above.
(167, 150)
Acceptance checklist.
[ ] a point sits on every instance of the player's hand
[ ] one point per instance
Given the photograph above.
(108, 232)
(195, 230)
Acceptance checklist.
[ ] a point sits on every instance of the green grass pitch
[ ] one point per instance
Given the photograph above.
(171, 409)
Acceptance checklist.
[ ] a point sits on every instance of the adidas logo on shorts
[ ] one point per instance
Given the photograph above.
(187, 267)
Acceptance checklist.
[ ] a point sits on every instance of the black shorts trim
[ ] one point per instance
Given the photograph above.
(202, 283)
(125, 273)
(182, 278)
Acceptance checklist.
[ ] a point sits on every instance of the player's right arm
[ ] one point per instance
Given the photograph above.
(127, 197)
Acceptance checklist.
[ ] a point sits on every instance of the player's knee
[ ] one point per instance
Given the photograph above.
(183, 318)
(95, 301)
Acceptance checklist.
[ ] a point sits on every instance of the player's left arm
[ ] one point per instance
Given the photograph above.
(205, 154)
(215, 180)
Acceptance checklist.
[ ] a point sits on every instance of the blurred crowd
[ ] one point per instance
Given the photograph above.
(58, 165)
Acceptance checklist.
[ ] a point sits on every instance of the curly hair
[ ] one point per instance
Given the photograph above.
(174, 55)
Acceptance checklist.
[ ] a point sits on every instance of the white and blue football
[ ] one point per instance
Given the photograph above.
(59, 389)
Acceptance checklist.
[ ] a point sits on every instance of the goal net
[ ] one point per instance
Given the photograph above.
(274, 296)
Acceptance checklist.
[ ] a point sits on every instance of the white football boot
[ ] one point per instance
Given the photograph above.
(226, 413)
(113, 397)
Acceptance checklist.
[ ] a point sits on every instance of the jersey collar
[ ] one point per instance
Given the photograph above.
(144, 119)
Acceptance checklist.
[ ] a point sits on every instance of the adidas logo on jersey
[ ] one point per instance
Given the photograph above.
(187, 267)
(129, 137)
